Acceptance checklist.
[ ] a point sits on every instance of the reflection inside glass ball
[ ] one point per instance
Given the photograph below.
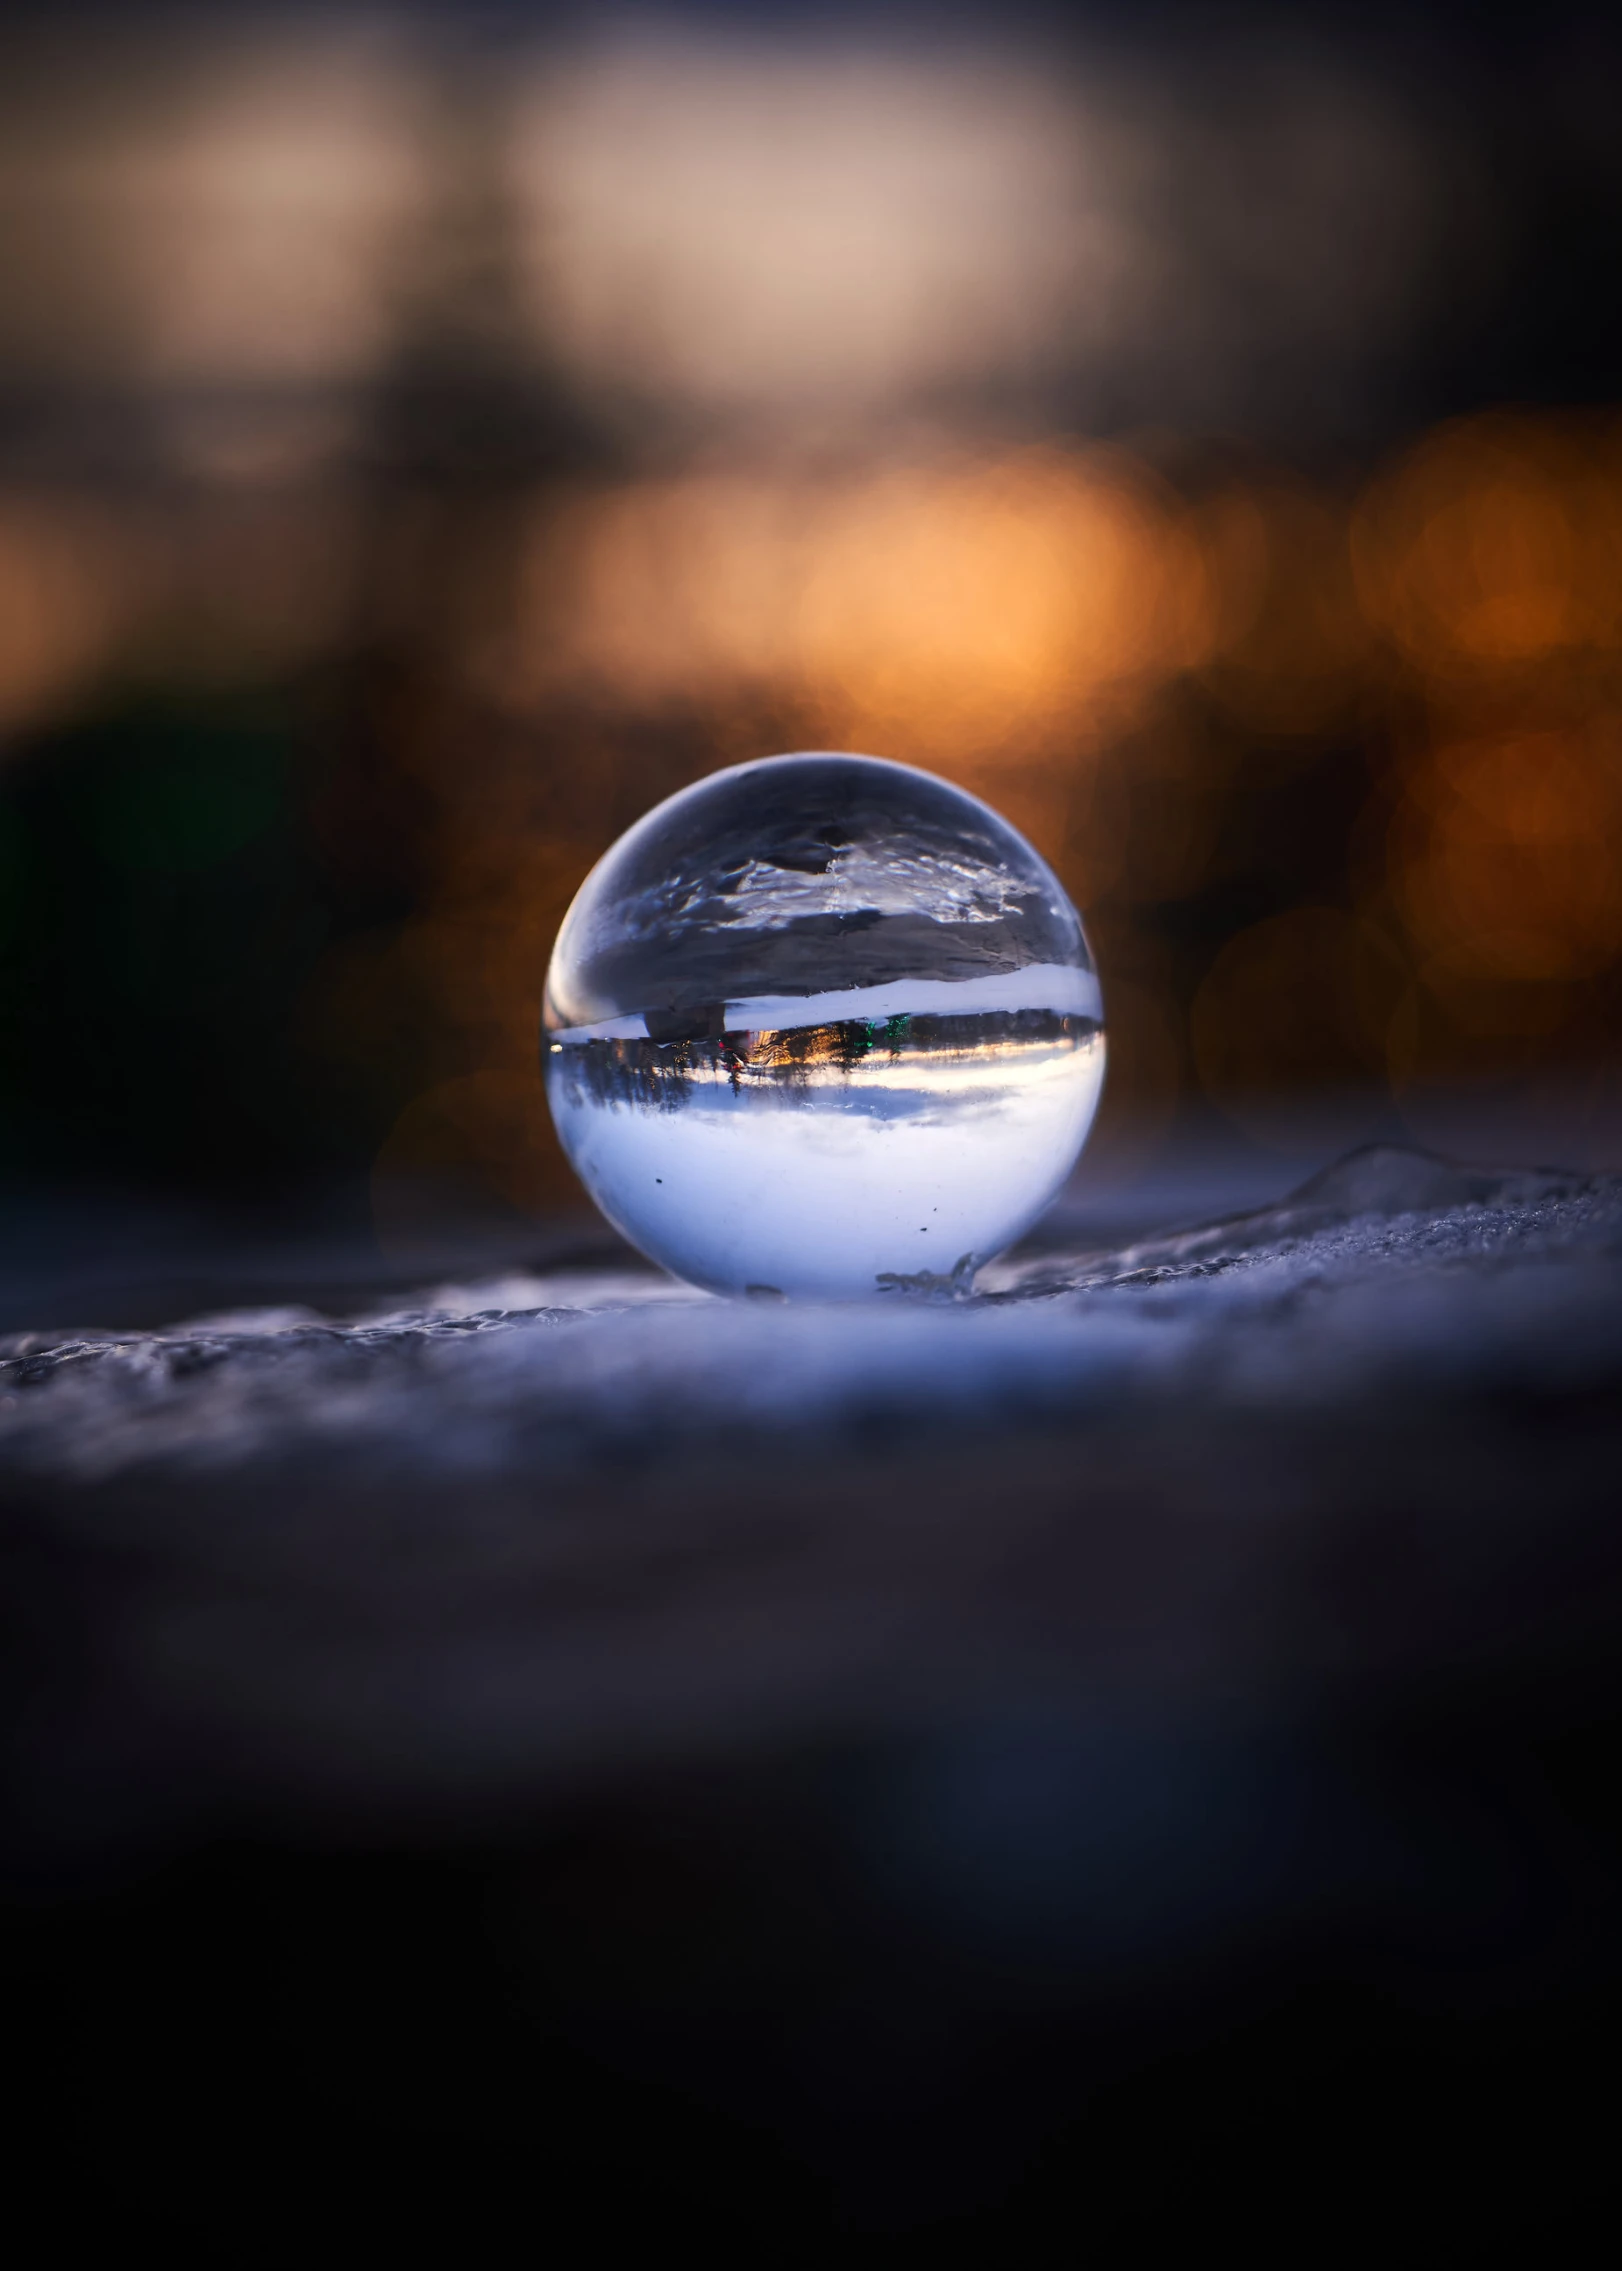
(822, 1025)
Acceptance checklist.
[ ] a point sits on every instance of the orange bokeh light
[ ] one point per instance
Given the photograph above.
(1506, 854)
(65, 591)
(1498, 541)
(966, 611)
(1291, 646)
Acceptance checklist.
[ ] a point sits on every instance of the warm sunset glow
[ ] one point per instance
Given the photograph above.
(967, 610)
(65, 590)
(1291, 648)
(1498, 541)
(1507, 854)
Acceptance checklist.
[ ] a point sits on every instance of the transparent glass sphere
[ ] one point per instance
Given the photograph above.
(822, 1025)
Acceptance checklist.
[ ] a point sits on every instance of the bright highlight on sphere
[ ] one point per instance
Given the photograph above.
(824, 1026)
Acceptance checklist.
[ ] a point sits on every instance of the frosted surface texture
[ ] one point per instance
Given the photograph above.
(822, 1025)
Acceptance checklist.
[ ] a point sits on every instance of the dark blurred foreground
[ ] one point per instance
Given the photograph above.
(568, 1764)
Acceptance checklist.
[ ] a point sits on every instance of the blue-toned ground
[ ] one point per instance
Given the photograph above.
(964, 1763)
(775, 1509)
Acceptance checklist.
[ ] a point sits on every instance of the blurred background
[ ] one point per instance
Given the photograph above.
(430, 435)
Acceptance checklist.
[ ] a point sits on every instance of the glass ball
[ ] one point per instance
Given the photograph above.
(822, 1025)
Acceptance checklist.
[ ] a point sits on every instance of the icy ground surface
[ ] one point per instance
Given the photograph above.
(825, 1770)
(517, 1533)
(1389, 1275)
